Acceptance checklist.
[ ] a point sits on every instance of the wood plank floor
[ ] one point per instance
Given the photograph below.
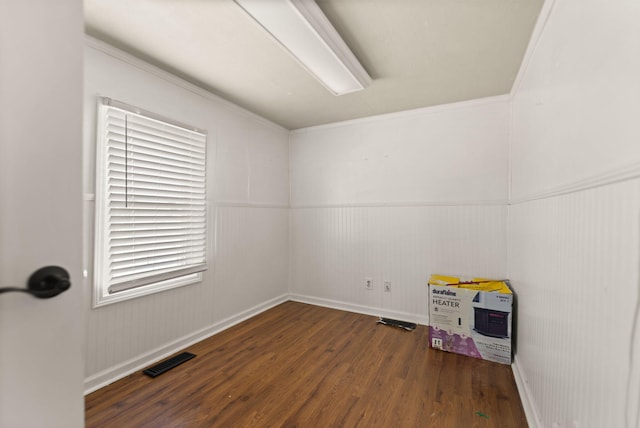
(299, 365)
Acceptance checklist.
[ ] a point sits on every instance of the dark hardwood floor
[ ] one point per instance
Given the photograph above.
(299, 365)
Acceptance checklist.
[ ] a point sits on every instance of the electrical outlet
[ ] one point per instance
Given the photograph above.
(387, 286)
(368, 283)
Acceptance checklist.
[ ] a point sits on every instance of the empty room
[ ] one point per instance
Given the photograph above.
(319, 213)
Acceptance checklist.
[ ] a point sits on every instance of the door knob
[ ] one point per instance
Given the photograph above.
(45, 283)
(48, 282)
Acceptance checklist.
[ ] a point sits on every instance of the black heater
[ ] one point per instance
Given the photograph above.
(491, 323)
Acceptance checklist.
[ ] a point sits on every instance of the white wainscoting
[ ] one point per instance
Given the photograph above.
(124, 368)
(248, 276)
(574, 263)
(334, 249)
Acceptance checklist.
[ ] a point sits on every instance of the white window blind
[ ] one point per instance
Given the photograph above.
(150, 202)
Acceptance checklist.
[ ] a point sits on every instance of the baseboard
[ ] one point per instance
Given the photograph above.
(112, 374)
(526, 397)
(360, 309)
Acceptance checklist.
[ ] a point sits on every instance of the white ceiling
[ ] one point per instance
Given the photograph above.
(419, 52)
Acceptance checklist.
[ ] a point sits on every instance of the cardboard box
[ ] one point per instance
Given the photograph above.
(471, 317)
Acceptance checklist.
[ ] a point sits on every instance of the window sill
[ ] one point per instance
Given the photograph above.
(103, 298)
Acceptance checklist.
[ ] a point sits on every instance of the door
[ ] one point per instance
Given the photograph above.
(41, 352)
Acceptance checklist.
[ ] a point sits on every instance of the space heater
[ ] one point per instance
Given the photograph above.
(492, 323)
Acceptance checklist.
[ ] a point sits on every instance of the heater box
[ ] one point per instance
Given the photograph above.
(471, 317)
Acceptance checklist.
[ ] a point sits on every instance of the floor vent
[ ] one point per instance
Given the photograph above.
(402, 324)
(167, 365)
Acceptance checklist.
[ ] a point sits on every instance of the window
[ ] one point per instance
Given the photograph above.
(150, 203)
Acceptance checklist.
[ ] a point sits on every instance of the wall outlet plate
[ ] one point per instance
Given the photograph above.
(386, 286)
(368, 283)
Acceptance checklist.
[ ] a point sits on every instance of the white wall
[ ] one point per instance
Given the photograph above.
(450, 154)
(248, 217)
(575, 115)
(397, 198)
(41, 358)
(574, 245)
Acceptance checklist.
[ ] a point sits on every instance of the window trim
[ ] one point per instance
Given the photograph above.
(104, 294)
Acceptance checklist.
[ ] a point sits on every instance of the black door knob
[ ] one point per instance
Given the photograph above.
(44, 283)
(48, 282)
